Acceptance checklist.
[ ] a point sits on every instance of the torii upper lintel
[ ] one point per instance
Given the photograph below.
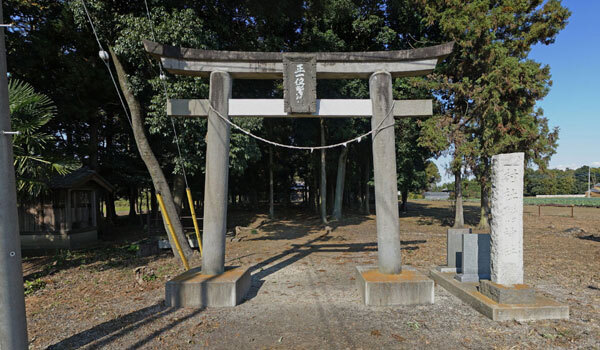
(269, 65)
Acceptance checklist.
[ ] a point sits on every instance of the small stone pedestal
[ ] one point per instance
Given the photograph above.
(514, 294)
(475, 258)
(454, 249)
(407, 288)
(193, 289)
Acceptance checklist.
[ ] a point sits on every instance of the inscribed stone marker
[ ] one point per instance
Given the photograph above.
(506, 222)
(300, 83)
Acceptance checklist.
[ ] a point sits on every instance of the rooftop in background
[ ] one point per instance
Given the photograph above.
(78, 178)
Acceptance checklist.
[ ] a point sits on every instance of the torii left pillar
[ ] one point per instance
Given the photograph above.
(213, 284)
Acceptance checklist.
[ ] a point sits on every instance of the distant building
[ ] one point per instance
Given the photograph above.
(67, 217)
(437, 196)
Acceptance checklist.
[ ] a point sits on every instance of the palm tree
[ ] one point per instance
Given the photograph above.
(34, 163)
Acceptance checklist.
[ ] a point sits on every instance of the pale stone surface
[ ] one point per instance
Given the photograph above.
(407, 288)
(454, 247)
(194, 289)
(515, 294)
(300, 82)
(475, 264)
(507, 219)
(274, 108)
(217, 172)
(541, 309)
(386, 183)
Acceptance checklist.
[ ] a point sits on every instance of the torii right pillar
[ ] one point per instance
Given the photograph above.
(389, 283)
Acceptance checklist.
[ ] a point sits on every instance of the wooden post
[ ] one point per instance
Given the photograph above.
(572, 208)
(68, 212)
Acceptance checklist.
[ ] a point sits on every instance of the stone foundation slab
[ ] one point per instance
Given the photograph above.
(193, 289)
(410, 287)
(541, 309)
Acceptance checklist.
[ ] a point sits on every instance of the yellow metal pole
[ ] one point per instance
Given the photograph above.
(166, 216)
(193, 211)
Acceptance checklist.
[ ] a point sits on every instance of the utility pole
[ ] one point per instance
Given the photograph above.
(13, 325)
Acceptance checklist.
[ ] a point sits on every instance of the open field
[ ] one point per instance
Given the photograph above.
(303, 293)
(579, 202)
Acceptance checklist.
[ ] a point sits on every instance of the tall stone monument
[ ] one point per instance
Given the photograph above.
(504, 297)
(506, 225)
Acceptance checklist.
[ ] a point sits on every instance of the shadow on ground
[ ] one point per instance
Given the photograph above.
(428, 214)
(315, 245)
(294, 224)
(109, 331)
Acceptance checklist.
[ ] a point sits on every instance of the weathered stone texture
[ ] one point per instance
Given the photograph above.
(384, 168)
(475, 258)
(507, 219)
(217, 172)
(195, 289)
(300, 83)
(454, 247)
(407, 288)
(515, 294)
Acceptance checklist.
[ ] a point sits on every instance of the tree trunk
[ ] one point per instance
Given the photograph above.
(459, 218)
(93, 146)
(339, 184)
(132, 202)
(404, 199)
(153, 202)
(271, 199)
(485, 209)
(367, 207)
(485, 196)
(156, 173)
(323, 184)
(178, 192)
(359, 190)
(111, 211)
(315, 192)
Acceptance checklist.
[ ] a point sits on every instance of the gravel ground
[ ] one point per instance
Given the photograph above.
(304, 295)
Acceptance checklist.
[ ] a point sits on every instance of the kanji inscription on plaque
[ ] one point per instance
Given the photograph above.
(300, 83)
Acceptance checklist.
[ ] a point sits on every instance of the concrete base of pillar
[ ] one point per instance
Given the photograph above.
(407, 288)
(541, 309)
(193, 289)
(515, 294)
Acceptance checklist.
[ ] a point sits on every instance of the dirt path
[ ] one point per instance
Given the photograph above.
(304, 295)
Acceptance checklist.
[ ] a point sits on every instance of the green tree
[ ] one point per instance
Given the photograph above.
(490, 75)
(35, 161)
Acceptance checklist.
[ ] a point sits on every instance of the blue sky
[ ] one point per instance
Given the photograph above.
(573, 103)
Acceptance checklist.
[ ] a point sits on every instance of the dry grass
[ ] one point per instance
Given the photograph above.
(303, 293)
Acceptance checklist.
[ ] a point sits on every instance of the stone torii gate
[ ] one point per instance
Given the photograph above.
(215, 285)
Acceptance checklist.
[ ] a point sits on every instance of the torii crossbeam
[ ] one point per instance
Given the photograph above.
(386, 285)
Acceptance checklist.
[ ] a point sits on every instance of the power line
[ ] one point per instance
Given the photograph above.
(162, 78)
(104, 57)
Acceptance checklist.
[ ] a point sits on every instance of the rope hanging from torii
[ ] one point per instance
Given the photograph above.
(379, 127)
